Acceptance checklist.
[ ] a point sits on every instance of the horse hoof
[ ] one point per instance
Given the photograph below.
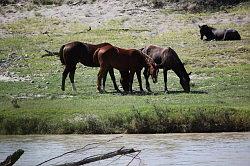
(125, 92)
(142, 91)
(101, 91)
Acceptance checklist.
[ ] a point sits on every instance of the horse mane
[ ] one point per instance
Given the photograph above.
(178, 65)
(148, 60)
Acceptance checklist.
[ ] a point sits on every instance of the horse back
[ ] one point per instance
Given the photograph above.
(232, 34)
(89, 60)
(166, 58)
(119, 58)
(72, 53)
(103, 54)
(132, 59)
(155, 52)
(94, 47)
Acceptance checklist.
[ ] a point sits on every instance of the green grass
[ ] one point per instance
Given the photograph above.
(220, 83)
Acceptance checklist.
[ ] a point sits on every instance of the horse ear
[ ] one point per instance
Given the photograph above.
(199, 26)
(189, 73)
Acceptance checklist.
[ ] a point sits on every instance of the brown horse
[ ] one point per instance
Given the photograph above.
(167, 59)
(75, 52)
(218, 34)
(131, 60)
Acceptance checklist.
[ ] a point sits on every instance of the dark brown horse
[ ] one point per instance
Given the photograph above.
(167, 59)
(218, 34)
(131, 60)
(75, 52)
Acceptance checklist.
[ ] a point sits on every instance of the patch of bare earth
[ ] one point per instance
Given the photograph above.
(135, 13)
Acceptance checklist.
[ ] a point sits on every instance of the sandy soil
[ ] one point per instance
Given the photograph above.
(135, 13)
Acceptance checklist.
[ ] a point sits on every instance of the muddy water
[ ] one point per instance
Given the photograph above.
(162, 149)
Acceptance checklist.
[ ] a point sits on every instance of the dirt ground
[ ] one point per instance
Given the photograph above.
(135, 13)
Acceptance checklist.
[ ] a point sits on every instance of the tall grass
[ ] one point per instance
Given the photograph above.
(156, 120)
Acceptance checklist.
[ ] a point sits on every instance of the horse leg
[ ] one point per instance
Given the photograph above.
(131, 79)
(64, 76)
(138, 74)
(146, 75)
(72, 76)
(125, 80)
(112, 75)
(165, 75)
(100, 76)
(104, 80)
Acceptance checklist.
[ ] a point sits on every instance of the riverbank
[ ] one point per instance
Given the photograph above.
(32, 102)
(144, 120)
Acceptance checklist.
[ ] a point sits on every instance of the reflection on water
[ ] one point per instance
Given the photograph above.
(157, 149)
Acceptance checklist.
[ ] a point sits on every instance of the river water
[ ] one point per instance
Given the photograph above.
(196, 149)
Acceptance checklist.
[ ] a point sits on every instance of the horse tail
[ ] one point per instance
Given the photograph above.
(95, 56)
(50, 53)
(61, 55)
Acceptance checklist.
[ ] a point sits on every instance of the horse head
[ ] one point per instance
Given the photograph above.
(206, 31)
(153, 70)
(185, 82)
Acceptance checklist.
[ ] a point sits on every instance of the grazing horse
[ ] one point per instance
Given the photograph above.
(74, 52)
(218, 34)
(131, 60)
(167, 59)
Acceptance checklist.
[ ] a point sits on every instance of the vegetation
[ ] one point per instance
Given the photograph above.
(220, 82)
(46, 2)
(197, 5)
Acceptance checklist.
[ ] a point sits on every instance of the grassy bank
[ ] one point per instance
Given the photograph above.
(151, 119)
(218, 101)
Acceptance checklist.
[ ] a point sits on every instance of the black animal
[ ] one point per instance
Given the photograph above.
(167, 59)
(218, 34)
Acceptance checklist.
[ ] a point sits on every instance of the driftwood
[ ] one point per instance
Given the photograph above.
(101, 157)
(82, 149)
(10, 160)
(72, 151)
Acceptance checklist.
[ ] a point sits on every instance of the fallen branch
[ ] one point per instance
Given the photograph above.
(128, 29)
(80, 149)
(101, 157)
(50, 53)
(10, 160)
